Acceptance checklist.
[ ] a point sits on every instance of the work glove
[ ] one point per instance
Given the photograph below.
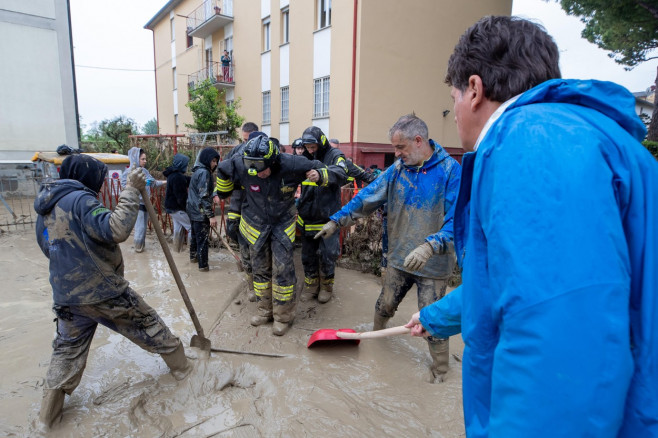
(417, 258)
(327, 230)
(137, 179)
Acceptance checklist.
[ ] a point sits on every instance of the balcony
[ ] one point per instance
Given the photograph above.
(208, 18)
(220, 77)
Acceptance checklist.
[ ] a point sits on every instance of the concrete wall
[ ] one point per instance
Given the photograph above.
(38, 109)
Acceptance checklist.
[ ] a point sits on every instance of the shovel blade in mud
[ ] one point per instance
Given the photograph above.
(200, 342)
(328, 336)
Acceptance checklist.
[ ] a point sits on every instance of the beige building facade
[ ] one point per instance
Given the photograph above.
(350, 67)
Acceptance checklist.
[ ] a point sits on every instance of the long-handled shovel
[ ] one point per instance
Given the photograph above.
(199, 341)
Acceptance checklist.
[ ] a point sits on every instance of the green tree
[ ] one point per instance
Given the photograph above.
(627, 28)
(205, 105)
(150, 127)
(210, 112)
(118, 129)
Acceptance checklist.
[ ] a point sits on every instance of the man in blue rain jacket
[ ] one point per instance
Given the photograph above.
(555, 227)
(420, 190)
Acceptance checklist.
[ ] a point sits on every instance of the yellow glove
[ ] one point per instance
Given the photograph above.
(327, 230)
(417, 258)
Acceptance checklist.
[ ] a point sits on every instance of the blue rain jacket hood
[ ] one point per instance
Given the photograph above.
(559, 300)
(420, 203)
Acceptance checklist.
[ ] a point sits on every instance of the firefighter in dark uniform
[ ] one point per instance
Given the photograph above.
(315, 205)
(268, 220)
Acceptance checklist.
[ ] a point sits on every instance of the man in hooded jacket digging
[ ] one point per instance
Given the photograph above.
(81, 239)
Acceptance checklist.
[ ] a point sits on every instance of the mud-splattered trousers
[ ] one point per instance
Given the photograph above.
(199, 242)
(128, 314)
(396, 285)
(320, 255)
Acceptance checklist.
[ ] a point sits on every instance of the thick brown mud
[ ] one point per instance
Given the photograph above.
(378, 388)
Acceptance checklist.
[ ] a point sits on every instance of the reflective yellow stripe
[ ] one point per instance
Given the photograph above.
(260, 288)
(232, 215)
(250, 233)
(310, 280)
(282, 293)
(300, 221)
(290, 231)
(325, 177)
(223, 185)
(313, 227)
(327, 281)
(350, 179)
(309, 183)
(340, 160)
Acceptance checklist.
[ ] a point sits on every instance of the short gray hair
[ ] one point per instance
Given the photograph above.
(409, 127)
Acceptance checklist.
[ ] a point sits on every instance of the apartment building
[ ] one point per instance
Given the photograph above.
(350, 67)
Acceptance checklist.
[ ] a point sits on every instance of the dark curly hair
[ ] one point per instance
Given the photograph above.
(510, 54)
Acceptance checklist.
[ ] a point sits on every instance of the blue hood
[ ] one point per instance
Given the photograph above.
(608, 98)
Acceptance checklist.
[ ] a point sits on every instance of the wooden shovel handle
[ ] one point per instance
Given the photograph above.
(170, 259)
(393, 331)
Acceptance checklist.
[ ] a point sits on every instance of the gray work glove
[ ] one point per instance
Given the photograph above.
(136, 179)
(417, 258)
(327, 230)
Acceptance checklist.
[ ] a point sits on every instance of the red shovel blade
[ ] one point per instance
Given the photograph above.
(324, 336)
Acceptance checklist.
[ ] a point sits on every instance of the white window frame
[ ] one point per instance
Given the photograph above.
(267, 114)
(321, 97)
(172, 28)
(285, 26)
(324, 12)
(285, 104)
(267, 40)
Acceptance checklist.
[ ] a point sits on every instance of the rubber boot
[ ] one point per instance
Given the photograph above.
(179, 365)
(311, 288)
(327, 290)
(440, 357)
(251, 295)
(284, 314)
(264, 308)
(51, 406)
(380, 322)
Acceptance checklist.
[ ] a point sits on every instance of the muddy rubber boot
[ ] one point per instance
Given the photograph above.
(251, 295)
(380, 322)
(311, 288)
(179, 365)
(51, 407)
(264, 309)
(440, 357)
(284, 314)
(327, 290)
(139, 247)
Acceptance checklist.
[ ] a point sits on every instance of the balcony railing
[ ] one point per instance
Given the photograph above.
(220, 77)
(208, 18)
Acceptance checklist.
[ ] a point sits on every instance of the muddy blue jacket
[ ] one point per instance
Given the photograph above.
(81, 238)
(421, 202)
(559, 302)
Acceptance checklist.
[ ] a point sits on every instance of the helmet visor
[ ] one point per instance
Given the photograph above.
(255, 163)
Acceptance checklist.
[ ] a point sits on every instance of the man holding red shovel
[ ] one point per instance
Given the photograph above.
(420, 190)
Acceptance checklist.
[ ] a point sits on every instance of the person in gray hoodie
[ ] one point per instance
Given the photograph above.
(137, 158)
(81, 237)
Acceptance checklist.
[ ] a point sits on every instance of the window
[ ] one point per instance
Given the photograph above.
(321, 97)
(266, 34)
(324, 13)
(173, 72)
(285, 93)
(209, 66)
(190, 40)
(285, 26)
(266, 108)
(172, 28)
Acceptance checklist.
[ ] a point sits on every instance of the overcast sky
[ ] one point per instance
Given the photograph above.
(114, 55)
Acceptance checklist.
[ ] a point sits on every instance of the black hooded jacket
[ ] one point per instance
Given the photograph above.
(177, 183)
(199, 196)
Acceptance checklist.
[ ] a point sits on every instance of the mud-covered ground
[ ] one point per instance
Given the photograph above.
(375, 389)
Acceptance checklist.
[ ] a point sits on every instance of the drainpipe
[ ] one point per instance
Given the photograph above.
(155, 74)
(356, 7)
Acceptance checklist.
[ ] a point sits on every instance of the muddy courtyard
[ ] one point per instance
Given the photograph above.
(260, 385)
